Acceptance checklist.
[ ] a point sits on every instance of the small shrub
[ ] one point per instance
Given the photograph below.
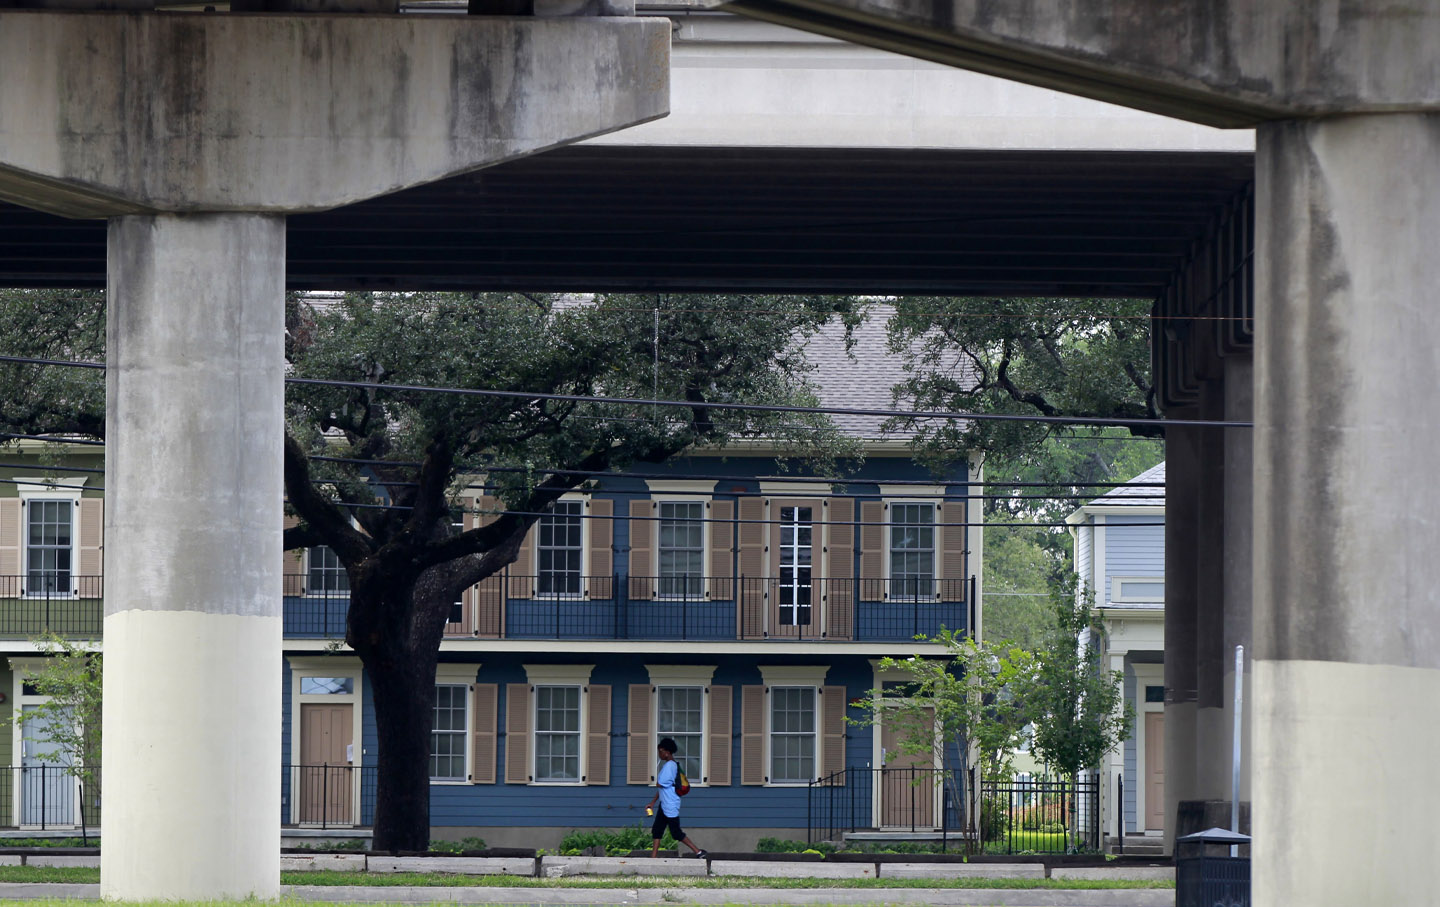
(616, 843)
(459, 846)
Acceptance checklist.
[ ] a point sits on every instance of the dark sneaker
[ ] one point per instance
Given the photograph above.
(702, 854)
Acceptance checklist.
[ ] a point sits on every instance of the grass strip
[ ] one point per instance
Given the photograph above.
(84, 875)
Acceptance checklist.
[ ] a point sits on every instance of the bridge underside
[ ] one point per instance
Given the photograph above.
(718, 219)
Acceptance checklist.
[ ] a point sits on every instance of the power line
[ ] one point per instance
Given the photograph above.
(719, 405)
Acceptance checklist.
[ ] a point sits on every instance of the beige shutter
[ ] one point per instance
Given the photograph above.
(10, 535)
(717, 759)
(517, 733)
(640, 753)
(952, 552)
(642, 557)
(294, 563)
(597, 735)
(91, 538)
(840, 570)
(872, 550)
(832, 733)
(489, 593)
(752, 735)
(752, 568)
(482, 733)
(522, 572)
(722, 546)
(602, 547)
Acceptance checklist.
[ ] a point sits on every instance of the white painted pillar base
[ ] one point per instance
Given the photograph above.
(1347, 511)
(194, 492)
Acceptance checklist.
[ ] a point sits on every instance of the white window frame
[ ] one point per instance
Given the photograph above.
(327, 666)
(691, 676)
(34, 490)
(583, 516)
(793, 676)
(816, 548)
(311, 567)
(703, 502)
(1117, 587)
(458, 675)
(559, 676)
(935, 546)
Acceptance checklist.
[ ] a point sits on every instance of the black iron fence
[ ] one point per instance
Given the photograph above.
(65, 605)
(1021, 815)
(46, 796)
(328, 796)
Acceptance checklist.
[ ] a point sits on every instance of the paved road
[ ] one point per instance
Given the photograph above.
(668, 897)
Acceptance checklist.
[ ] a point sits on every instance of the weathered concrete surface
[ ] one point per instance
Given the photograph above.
(1347, 581)
(1224, 62)
(782, 870)
(941, 897)
(47, 859)
(1104, 873)
(186, 112)
(523, 866)
(962, 870)
(195, 369)
(560, 867)
(1239, 547)
(297, 862)
(1182, 567)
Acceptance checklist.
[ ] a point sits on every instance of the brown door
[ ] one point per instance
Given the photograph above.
(907, 785)
(326, 779)
(1154, 770)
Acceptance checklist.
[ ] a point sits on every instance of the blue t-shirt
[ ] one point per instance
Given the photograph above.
(669, 800)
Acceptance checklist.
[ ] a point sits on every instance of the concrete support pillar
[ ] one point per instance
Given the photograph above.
(1212, 761)
(1347, 510)
(1239, 549)
(1182, 485)
(192, 558)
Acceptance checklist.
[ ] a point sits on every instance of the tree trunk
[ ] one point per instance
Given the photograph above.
(396, 632)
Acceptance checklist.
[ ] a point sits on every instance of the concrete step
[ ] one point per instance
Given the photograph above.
(1144, 845)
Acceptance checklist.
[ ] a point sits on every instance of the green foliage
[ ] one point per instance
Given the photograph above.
(616, 843)
(52, 324)
(460, 846)
(70, 717)
(1079, 357)
(786, 845)
(1077, 704)
(327, 846)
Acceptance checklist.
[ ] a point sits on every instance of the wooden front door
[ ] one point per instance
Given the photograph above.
(1154, 770)
(907, 785)
(326, 775)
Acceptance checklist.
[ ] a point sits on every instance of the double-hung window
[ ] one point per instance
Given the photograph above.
(557, 733)
(682, 549)
(559, 552)
(447, 736)
(327, 574)
(792, 735)
(912, 551)
(49, 546)
(680, 714)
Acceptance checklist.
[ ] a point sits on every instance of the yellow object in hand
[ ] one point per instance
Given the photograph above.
(649, 811)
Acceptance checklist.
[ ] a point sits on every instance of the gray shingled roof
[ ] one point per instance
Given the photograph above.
(1133, 496)
(862, 378)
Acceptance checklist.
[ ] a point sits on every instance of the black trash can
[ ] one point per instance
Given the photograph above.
(1205, 873)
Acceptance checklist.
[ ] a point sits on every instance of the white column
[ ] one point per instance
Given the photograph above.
(193, 557)
(1347, 511)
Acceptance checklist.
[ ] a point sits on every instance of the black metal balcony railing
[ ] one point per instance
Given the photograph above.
(594, 607)
(46, 796)
(74, 608)
(328, 796)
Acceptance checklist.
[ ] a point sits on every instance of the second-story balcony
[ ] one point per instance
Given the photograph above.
(615, 607)
(701, 608)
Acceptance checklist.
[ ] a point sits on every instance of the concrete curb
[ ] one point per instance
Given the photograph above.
(560, 867)
(662, 897)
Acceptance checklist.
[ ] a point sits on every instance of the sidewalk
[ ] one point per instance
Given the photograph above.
(664, 897)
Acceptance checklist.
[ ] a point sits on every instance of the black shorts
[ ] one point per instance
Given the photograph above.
(657, 830)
